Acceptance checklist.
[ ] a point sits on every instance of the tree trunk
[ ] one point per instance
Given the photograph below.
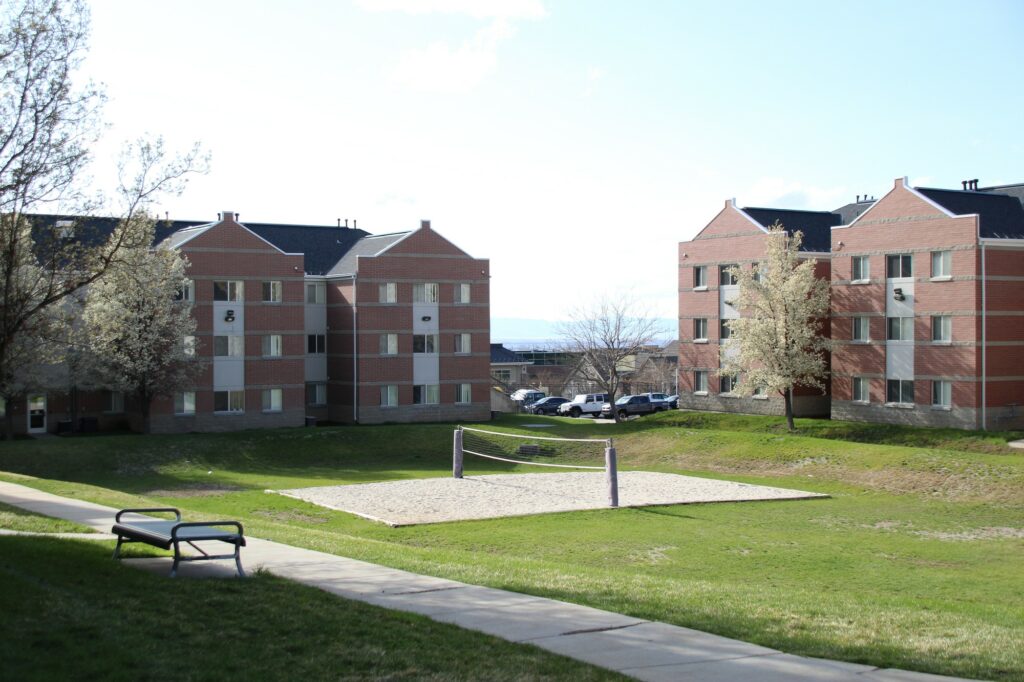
(144, 404)
(788, 395)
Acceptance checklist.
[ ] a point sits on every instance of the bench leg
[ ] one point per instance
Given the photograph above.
(177, 559)
(117, 549)
(238, 560)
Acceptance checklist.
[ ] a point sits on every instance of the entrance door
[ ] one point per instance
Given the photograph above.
(37, 414)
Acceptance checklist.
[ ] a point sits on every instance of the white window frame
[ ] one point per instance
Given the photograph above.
(728, 383)
(234, 345)
(861, 329)
(424, 292)
(389, 395)
(319, 391)
(906, 329)
(426, 394)
(429, 344)
(275, 289)
(864, 274)
(944, 261)
(463, 343)
(387, 292)
(700, 278)
(273, 400)
(234, 290)
(942, 329)
(942, 394)
(389, 344)
(185, 403)
(316, 293)
(724, 332)
(188, 344)
(462, 293)
(187, 292)
(724, 274)
(114, 402)
(905, 258)
(700, 330)
(272, 345)
(464, 394)
(861, 390)
(236, 402)
(700, 381)
(902, 393)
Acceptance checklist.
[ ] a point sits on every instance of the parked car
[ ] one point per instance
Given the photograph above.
(673, 401)
(525, 396)
(629, 405)
(546, 405)
(584, 403)
(659, 400)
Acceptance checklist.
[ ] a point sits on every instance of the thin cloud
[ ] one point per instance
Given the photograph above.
(442, 69)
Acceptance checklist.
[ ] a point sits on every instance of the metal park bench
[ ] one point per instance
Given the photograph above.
(165, 534)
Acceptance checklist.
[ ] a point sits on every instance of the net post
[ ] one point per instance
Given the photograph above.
(611, 474)
(457, 454)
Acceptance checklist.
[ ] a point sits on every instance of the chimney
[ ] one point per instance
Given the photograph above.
(974, 184)
(858, 199)
(353, 223)
(236, 217)
(964, 183)
(424, 224)
(226, 215)
(346, 222)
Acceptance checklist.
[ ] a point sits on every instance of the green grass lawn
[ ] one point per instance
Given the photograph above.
(69, 612)
(914, 561)
(16, 518)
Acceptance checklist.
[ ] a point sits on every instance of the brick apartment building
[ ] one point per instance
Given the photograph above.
(299, 321)
(927, 306)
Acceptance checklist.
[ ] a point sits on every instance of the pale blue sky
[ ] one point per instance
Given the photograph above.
(573, 141)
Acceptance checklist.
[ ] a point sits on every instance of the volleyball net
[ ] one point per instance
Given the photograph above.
(532, 450)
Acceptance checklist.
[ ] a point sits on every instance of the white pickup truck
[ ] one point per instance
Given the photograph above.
(584, 403)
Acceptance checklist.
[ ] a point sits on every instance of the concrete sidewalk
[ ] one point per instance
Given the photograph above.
(642, 649)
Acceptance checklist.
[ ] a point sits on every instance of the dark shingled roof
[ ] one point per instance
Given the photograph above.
(1011, 190)
(815, 225)
(322, 246)
(500, 354)
(370, 245)
(1001, 215)
(850, 212)
(92, 230)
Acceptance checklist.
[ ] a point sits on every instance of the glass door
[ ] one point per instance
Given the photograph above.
(37, 414)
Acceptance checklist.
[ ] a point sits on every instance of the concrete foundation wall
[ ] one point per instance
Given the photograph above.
(803, 406)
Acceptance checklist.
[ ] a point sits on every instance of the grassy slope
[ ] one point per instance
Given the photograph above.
(913, 562)
(16, 518)
(72, 613)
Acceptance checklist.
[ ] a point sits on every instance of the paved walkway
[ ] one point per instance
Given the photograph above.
(642, 649)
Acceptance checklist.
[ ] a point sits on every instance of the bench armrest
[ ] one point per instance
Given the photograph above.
(177, 513)
(174, 530)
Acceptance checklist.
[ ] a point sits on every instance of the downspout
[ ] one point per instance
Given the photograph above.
(984, 336)
(355, 353)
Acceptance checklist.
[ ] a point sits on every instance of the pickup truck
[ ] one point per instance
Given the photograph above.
(628, 405)
(584, 403)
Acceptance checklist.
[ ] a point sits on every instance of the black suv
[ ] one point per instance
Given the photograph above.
(546, 405)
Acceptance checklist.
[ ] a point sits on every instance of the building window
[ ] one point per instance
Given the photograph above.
(462, 292)
(185, 403)
(316, 344)
(942, 328)
(726, 278)
(424, 293)
(389, 344)
(186, 292)
(861, 329)
(388, 292)
(272, 292)
(700, 329)
(389, 395)
(942, 394)
(273, 399)
(724, 332)
(428, 394)
(757, 272)
(942, 262)
(316, 292)
(3, 407)
(228, 290)
(188, 344)
(272, 346)
(229, 346)
(316, 394)
(860, 390)
(424, 343)
(462, 343)
(899, 391)
(464, 393)
(760, 393)
(229, 402)
(900, 329)
(861, 271)
(700, 277)
(113, 402)
(729, 384)
(502, 375)
(700, 381)
(899, 265)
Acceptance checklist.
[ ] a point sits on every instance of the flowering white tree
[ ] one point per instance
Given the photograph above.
(606, 337)
(778, 343)
(136, 330)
